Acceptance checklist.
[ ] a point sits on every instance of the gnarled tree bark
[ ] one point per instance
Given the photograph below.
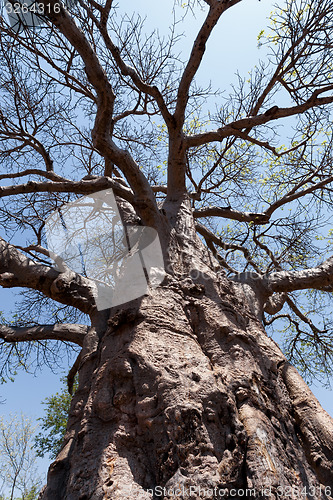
(184, 394)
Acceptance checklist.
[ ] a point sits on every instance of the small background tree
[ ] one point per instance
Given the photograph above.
(18, 467)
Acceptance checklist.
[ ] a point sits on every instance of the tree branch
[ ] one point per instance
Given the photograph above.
(262, 218)
(162, 188)
(71, 81)
(265, 144)
(197, 52)
(302, 317)
(250, 122)
(64, 332)
(35, 171)
(17, 270)
(229, 213)
(177, 145)
(126, 70)
(211, 237)
(218, 257)
(294, 195)
(103, 121)
(67, 186)
(320, 278)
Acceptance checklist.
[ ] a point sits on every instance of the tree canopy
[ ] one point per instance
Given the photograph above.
(91, 100)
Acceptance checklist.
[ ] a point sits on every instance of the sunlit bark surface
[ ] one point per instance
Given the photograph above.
(185, 391)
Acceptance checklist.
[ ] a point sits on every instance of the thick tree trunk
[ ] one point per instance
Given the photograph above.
(185, 396)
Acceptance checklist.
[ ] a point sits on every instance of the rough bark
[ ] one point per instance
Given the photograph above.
(185, 394)
(181, 389)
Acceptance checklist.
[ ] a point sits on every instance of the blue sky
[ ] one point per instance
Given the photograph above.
(232, 47)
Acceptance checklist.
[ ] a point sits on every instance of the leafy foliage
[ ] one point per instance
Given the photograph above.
(53, 424)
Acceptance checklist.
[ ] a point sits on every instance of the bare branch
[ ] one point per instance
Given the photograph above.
(25, 139)
(264, 217)
(33, 249)
(71, 82)
(160, 189)
(177, 145)
(210, 236)
(302, 316)
(320, 278)
(198, 50)
(16, 270)
(294, 195)
(218, 257)
(73, 371)
(250, 122)
(64, 332)
(67, 186)
(103, 119)
(266, 145)
(35, 171)
(126, 70)
(268, 251)
(229, 213)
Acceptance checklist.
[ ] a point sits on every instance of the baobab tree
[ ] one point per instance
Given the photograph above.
(182, 391)
(18, 460)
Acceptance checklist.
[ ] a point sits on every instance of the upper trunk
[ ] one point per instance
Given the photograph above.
(185, 396)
